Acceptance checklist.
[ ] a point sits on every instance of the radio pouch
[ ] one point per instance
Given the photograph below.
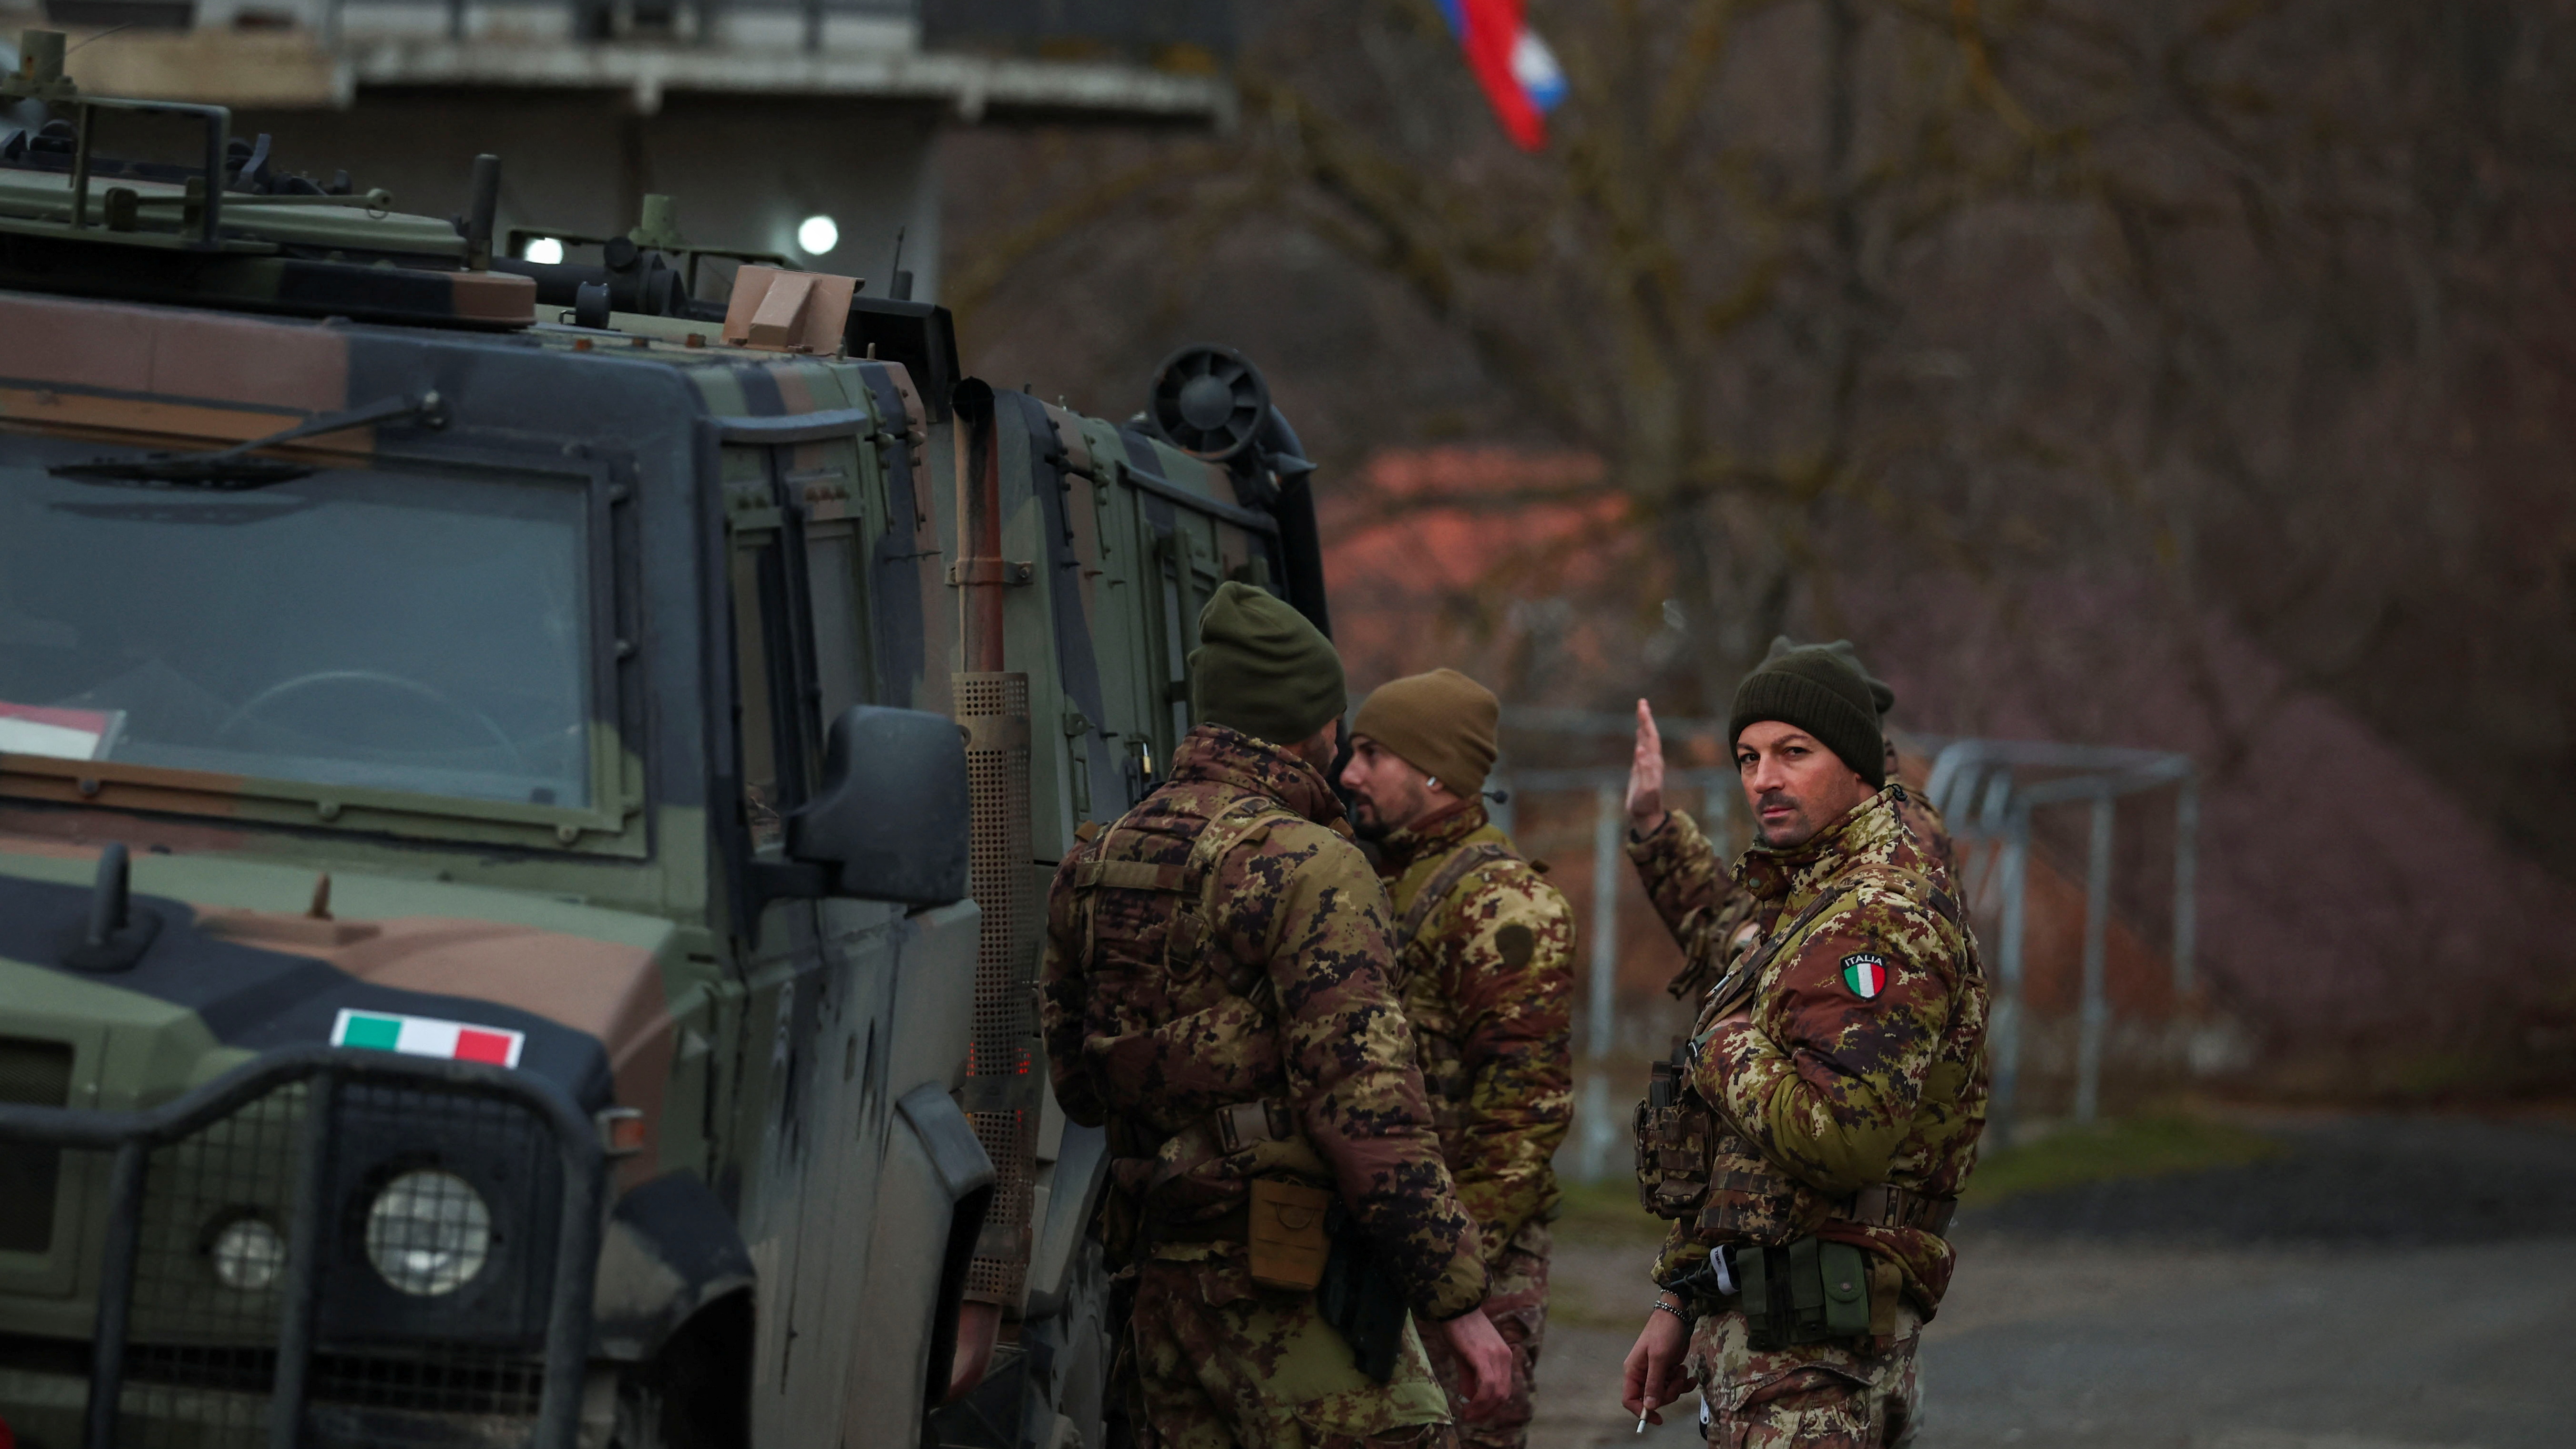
(1846, 1279)
(1673, 1130)
(1286, 1234)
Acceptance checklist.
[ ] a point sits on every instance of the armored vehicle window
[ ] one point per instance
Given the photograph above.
(358, 627)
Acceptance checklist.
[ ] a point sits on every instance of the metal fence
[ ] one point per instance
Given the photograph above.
(255, 1229)
(1986, 791)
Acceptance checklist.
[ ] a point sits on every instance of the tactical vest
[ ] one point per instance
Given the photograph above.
(1142, 955)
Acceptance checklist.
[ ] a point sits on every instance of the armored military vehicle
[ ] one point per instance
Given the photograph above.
(525, 792)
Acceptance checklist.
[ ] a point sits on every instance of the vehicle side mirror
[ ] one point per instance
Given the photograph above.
(891, 820)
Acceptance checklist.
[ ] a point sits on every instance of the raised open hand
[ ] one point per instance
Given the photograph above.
(1646, 775)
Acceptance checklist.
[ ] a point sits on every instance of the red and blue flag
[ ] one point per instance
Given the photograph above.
(1520, 75)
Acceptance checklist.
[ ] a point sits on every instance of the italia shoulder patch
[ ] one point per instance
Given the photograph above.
(1865, 972)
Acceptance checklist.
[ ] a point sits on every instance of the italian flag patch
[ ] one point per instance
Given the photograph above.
(1865, 973)
(427, 1036)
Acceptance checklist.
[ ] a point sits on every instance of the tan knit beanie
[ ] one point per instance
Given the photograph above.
(1441, 723)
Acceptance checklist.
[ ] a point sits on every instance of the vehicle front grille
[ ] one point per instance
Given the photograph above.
(37, 1074)
(238, 1226)
(190, 1332)
(193, 1333)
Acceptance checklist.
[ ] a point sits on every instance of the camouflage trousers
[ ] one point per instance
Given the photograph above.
(1517, 1302)
(1847, 1394)
(1215, 1362)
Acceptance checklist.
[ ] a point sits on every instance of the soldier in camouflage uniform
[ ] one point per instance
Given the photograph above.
(1486, 950)
(1845, 1073)
(1714, 922)
(1217, 994)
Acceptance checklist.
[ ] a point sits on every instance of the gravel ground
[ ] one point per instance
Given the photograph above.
(2385, 1283)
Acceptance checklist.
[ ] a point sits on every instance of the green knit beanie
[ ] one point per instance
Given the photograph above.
(1262, 669)
(1822, 689)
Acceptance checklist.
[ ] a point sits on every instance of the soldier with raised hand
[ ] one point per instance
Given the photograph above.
(1485, 948)
(1218, 994)
(1812, 1138)
(1713, 920)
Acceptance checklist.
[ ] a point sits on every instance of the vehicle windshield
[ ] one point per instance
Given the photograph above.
(352, 627)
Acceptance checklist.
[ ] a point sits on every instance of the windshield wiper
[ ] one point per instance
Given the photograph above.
(234, 469)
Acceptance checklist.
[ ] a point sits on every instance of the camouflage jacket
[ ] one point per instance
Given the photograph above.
(1155, 1017)
(1488, 988)
(1717, 922)
(1864, 1059)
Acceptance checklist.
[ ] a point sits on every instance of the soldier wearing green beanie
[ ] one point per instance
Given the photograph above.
(1827, 1110)
(1219, 994)
(1261, 668)
(1823, 690)
(1717, 930)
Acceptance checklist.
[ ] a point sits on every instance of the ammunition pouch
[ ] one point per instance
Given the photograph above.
(1285, 1233)
(1243, 1174)
(1807, 1291)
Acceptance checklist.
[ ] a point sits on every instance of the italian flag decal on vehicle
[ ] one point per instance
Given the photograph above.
(426, 1036)
(1866, 974)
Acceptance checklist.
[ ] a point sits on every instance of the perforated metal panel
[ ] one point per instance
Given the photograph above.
(1001, 1085)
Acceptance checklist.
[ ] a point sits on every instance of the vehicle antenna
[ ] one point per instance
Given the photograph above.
(102, 35)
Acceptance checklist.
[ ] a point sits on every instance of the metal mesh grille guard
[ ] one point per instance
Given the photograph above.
(177, 1355)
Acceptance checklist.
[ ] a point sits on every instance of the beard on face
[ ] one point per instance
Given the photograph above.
(1376, 819)
(1368, 819)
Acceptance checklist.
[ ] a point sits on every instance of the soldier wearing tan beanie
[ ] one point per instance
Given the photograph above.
(1485, 952)
(1441, 723)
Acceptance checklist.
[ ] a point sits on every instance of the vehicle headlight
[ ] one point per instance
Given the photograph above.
(429, 1232)
(248, 1255)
